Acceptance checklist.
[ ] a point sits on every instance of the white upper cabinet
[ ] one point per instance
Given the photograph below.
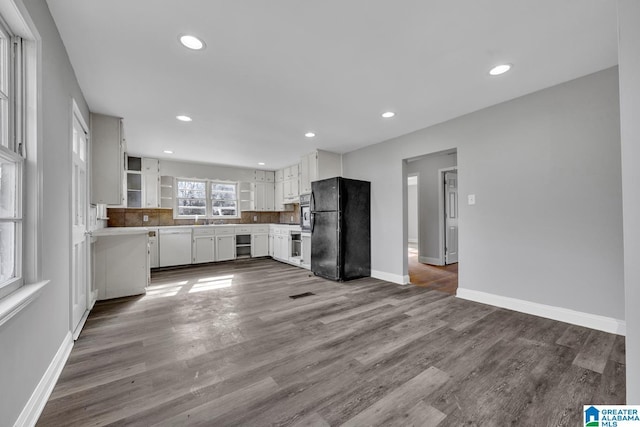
(318, 165)
(107, 159)
(150, 183)
(290, 184)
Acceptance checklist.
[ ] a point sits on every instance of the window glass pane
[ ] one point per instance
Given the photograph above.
(224, 199)
(4, 122)
(7, 189)
(7, 250)
(192, 197)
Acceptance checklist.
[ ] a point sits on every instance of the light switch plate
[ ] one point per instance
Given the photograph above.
(255, 218)
(145, 218)
(471, 199)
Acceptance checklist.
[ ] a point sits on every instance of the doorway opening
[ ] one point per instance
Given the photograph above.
(431, 221)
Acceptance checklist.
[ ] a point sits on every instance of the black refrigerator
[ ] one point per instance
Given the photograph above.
(341, 228)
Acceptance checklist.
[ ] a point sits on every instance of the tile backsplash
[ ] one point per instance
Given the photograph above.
(133, 217)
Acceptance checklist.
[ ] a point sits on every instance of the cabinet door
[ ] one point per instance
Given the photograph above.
(269, 197)
(259, 196)
(279, 196)
(107, 159)
(203, 249)
(269, 176)
(276, 246)
(225, 248)
(294, 188)
(259, 245)
(271, 245)
(294, 171)
(150, 183)
(287, 190)
(313, 171)
(305, 181)
(259, 176)
(279, 176)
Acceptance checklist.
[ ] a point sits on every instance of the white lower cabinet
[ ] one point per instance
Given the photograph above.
(281, 247)
(259, 245)
(120, 265)
(204, 244)
(225, 247)
(204, 249)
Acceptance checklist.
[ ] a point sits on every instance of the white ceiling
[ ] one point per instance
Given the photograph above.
(273, 70)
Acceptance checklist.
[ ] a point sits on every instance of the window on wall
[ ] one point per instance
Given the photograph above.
(224, 199)
(191, 197)
(11, 163)
(206, 198)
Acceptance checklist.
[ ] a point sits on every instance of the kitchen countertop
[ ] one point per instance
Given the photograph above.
(116, 231)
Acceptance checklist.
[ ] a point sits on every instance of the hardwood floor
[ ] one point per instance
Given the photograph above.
(443, 278)
(224, 345)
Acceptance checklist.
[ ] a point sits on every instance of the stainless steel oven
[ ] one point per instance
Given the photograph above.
(305, 212)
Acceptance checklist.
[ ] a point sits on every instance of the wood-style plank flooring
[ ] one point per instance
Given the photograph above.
(224, 345)
(442, 278)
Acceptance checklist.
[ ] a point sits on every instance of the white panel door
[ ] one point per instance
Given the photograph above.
(80, 284)
(259, 245)
(225, 248)
(451, 217)
(203, 249)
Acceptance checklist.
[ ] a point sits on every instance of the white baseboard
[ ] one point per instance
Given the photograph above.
(430, 261)
(593, 321)
(389, 277)
(32, 410)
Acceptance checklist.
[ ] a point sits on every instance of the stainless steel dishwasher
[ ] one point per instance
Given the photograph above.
(175, 246)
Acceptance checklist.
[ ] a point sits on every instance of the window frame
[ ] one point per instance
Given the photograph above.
(235, 200)
(11, 57)
(178, 198)
(208, 199)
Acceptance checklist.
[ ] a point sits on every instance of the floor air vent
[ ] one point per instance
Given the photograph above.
(306, 294)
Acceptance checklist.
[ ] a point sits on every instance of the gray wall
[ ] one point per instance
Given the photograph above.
(412, 213)
(428, 167)
(29, 341)
(629, 55)
(545, 169)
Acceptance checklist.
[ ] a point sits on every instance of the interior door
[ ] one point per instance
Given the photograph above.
(451, 217)
(80, 240)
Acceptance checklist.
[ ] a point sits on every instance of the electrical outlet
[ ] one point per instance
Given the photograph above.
(471, 199)
(291, 218)
(255, 218)
(145, 218)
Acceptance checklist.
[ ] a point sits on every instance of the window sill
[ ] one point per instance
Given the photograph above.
(13, 303)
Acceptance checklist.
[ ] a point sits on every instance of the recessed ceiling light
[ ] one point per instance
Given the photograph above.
(191, 42)
(309, 134)
(500, 69)
(168, 152)
(261, 163)
(388, 114)
(184, 118)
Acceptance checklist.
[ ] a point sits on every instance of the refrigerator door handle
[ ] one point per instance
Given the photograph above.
(313, 221)
(312, 202)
